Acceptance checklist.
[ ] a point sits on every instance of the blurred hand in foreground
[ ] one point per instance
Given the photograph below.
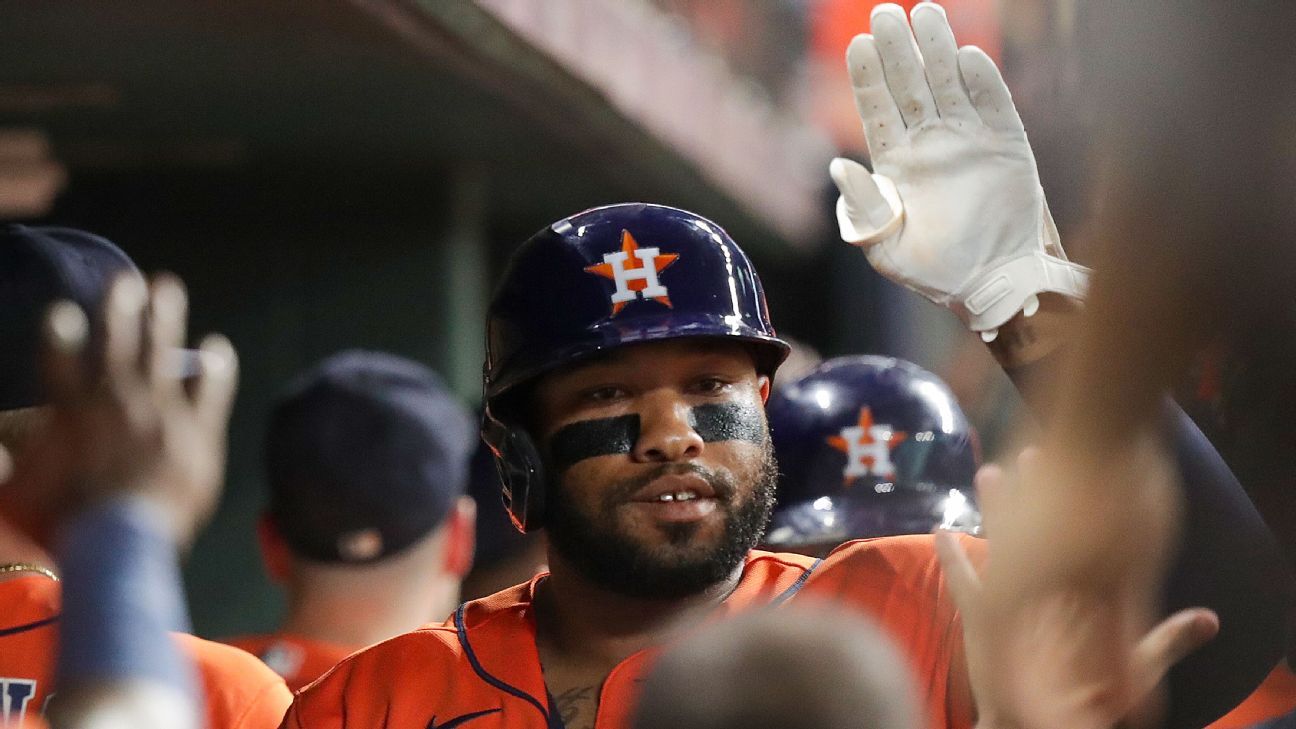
(136, 429)
(1060, 627)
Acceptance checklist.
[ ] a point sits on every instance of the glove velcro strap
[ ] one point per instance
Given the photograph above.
(998, 295)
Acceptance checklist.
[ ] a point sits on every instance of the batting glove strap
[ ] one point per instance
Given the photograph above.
(995, 297)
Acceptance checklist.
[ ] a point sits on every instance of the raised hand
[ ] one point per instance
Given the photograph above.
(955, 210)
(132, 429)
(1060, 634)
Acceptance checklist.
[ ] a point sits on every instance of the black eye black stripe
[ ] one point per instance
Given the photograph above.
(611, 436)
(728, 421)
(590, 438)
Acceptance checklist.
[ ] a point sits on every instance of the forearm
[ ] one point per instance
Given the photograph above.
(1228, 561)
(1030, 350)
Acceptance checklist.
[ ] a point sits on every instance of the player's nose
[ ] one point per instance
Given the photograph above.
(666, 431)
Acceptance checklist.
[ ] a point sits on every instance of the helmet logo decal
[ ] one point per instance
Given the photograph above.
(634, 270)
(867, 447)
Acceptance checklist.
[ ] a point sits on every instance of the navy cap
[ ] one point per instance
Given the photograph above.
(366, 453)
(38, 266)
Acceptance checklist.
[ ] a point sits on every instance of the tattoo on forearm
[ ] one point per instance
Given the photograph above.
(1019, 336)
(1016, 343)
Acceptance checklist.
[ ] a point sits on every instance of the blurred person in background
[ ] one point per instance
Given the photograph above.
(1194, 152)
(114, 462)
(368, 528)
(804, 667)
(868, 447)
(917, 119)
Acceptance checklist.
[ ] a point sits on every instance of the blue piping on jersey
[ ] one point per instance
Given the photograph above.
(796, 586)
(29, 626)
(462, 632)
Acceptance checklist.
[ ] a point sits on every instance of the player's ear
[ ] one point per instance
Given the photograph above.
(461, 536)
(763, 381)
(275, 553)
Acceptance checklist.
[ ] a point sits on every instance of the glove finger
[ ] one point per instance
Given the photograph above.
(940, 56)
(883, 126)
(863, 211)
(902, 65)
(864, 199)
(990, 96)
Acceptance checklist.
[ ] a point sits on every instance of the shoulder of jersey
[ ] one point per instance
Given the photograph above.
(383, 669)
(233, 677)
(34, 596)
(225, 660)
(892, 563)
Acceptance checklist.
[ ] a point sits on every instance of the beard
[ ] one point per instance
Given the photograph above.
(620, 563)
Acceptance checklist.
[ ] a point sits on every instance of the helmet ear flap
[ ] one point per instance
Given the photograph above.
(521, 472)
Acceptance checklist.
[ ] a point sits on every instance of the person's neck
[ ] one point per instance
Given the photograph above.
(359, 618)
(579, 621)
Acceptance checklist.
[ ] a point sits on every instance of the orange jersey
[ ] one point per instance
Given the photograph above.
(482, 666)
(1271, 699)
(299, 660)
(241, 693)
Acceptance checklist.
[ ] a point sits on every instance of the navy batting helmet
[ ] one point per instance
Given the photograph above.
(869, 447)
(602, 279)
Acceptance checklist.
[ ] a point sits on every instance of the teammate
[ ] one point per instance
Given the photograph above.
(92, 439)
(368, 527)
(868, 447)
(629, 356)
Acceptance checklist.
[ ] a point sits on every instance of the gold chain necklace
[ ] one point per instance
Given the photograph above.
(27, 567)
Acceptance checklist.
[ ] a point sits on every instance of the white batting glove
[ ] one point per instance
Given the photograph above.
(956, 211)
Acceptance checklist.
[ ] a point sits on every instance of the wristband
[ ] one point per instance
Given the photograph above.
(122, 595)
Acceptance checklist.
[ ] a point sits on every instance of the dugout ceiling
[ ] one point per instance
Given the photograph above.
(366, 85)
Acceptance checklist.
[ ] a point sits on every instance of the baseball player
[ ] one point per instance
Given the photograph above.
(868, 447)
(627, 416)
(629, 356)
(368, 527)
(71, 440)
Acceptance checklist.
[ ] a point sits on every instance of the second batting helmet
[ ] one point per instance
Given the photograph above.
(868, 447)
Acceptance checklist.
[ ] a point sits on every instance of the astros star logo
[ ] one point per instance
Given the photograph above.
(867, 447)
(634, 271)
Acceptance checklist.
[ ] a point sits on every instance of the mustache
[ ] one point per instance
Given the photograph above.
(623, 490)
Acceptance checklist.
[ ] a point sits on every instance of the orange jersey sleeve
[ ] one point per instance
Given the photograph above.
(241, 692)
(29, 612)
(897, 581)
(416, 680)
(299, 660)
(1271, 699)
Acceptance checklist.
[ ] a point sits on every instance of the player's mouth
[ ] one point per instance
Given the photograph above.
(677, 498)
